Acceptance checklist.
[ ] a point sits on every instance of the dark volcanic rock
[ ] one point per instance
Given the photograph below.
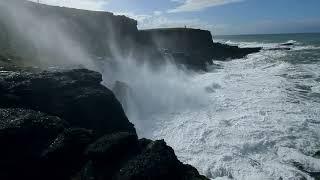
(157, 162)
(65, 156)
(38, 146)
(24, 134)
(109, 153)
(121, 157)
(74, 95)
(112, 147)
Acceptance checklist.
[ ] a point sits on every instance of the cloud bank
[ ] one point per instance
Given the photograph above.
(198, 5)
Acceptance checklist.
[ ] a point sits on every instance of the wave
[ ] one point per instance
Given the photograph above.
(256, 125)
(297, 46)
(252, 118)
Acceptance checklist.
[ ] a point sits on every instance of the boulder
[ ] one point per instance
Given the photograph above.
(74, 95)
(24, 134)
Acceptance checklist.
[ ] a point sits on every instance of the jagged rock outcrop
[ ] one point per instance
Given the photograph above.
(81, 132)
(157, 161)
(74, 95)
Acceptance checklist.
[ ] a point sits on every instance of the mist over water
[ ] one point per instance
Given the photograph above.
(168, 89)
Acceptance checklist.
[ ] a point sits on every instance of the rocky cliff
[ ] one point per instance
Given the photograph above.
(65, 125)
(193, 47)
(97, 33)
(31, 31)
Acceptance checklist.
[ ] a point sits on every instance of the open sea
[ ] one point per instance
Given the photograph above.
(251, 118)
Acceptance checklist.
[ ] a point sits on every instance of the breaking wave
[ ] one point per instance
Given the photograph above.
(259, 116)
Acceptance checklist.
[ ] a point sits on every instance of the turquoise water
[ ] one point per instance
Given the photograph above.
(255, 118)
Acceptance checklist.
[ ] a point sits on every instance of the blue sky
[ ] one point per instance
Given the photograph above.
(219, 16)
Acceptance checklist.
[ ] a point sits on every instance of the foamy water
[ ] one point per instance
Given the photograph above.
(254, 118)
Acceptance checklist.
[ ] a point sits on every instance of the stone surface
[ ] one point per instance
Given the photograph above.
(74, 95)
(24, 134)
(157, 161)
(39, 146)
(65, 156)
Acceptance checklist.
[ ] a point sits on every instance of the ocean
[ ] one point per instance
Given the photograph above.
(251, 118)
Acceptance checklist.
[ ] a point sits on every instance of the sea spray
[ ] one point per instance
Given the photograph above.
(166, 89)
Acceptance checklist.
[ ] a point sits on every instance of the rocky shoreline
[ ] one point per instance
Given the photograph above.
(66, 125)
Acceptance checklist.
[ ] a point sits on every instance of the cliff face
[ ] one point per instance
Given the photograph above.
(46, 32)
(33, 28)
(192, 47)
(178, 39)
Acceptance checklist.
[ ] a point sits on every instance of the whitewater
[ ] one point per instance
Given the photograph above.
(251, 118)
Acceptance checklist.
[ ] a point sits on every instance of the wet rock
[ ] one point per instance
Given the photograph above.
(74, 95)
(65, 156)
(157, 162)
(109, 153)
(24, 134)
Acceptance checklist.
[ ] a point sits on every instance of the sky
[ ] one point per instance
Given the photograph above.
(221, 17)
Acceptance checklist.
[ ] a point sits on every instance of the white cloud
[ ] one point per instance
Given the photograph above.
(198, 5)
(97, 5)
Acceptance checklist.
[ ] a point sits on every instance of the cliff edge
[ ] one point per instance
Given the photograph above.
(102, 35)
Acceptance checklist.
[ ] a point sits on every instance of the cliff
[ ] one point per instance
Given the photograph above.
(40, 31)
(43, 32)
(192, 47)
(178, 39)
